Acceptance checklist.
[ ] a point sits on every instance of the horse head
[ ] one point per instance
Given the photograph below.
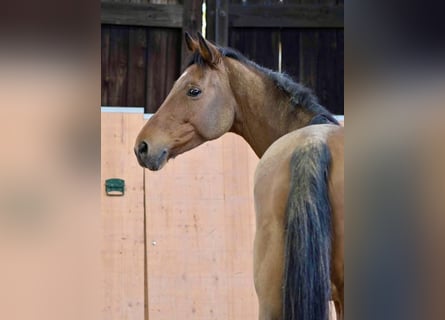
(200, 107)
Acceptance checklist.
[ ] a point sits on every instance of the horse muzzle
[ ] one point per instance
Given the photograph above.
(149, 158)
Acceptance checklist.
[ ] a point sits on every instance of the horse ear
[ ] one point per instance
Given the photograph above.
(191, 43)
(208, 51)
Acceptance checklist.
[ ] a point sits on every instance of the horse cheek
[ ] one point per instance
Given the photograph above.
(222, 119)
(214, 122)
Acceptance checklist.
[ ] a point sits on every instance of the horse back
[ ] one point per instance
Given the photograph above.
(279, 154)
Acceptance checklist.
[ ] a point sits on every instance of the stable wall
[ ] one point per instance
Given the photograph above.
(179, 243)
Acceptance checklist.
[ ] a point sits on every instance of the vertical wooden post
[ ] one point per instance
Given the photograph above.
(163, 62)
(222, 23)
(210, 17)
(218, 21)
(191, 23)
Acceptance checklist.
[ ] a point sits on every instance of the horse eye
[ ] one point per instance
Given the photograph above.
(193, 92)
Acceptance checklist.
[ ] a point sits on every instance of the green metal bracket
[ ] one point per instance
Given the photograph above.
(115, 187)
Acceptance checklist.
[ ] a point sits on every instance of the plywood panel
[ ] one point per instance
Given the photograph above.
(122, 220)
(200, 229)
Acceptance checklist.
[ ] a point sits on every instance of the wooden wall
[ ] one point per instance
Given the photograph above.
(313, 57)
(123, 245)
(179, 244)
(140, 63)
(200, 228)
(309, 34)
(198, 220)
(142, 50)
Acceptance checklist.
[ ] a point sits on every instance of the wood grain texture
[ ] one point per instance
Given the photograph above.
(137, 67)
(211, 20)
(315, 58)
(118, 66)
(143, 14)
(259, 45)
(200, 228)
(105, 56)
(308, 58)
(338, 108)
(192, 22)
(196, 262)
(286, 16)
(222, 23)
(290, 45)
(122, 220)
(163, 65)
(327, 78)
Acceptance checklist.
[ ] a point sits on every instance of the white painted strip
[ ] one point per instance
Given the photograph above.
(149, 115)
(340, 117)
(122, 109)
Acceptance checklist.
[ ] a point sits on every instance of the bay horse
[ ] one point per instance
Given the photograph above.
(298, 187)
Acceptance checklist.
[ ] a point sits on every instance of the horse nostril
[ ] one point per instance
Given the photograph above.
(142, 148)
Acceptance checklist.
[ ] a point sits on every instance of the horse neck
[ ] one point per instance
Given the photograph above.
(263, 111)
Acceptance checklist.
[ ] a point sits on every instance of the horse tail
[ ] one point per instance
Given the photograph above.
(308, 235)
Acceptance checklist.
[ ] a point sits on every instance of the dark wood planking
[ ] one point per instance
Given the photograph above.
(332, 2)
(156, 61)
(286, 16)
(210, 17)
(329, 74)
(308, 58)
(118, 66)
(105, 54)
(326, 70)
(321, 66)
(290, 47)
(150, 15)
(251, 2)
(305, 54)
(192, 19)
(218, 22)
(247, 43)
(163, 65)
(174, 41)
(222, 23)
(259, 45)
(192, 22)
(340, 73)
(137, 67)
(311, 1)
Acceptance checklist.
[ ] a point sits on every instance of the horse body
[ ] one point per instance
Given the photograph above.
(273, 182)
(222, 91)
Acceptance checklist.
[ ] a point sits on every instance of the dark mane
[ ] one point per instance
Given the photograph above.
(298, 93)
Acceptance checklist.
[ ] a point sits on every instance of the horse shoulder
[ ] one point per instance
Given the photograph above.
(280, 152)
(272, 174)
